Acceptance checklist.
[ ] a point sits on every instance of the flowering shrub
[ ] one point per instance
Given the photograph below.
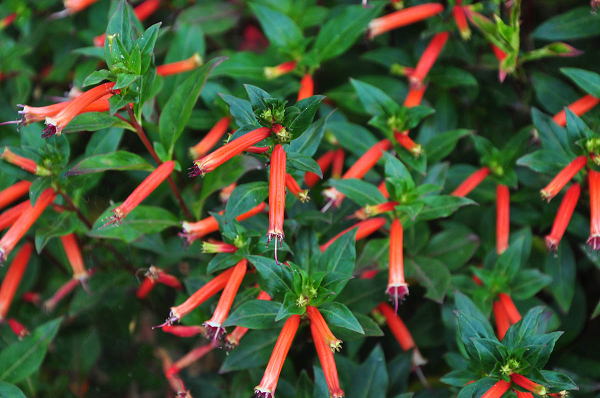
(360, 215)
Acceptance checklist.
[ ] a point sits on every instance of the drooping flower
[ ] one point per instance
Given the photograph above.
(8, 217)
(404, 17)
(24, 163)
(175, 382)
(307, 87)
(210, 139)
(71, 247)
(338, 163)
(497, 390)
(594, 185)
(185, 65)
(509, 306)
(276, 196)
(562, 178)
(153, 276)
(500, 56)
(142, 11)
(397, 287)
(183, 331)
(428, 58)
(24, 222)
(471, 182)
(268, 384)
(213, 160)
(365, 228)
(188, 359)
(324, 161)
(502, 218)
(579, 107)
(17, 328)
(461, 21)
(272, 72)
(527, 384)
(563, 216)
(14, 192)
(327, 363)
(402, 334)
(502, 321)
(407, 143)
(374, 210)
(12, 279)
(232, 340)
(146, 187)
(317, 320)
(62, 292)
(292, 186)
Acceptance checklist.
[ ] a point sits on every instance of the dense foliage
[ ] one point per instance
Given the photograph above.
(360, 215)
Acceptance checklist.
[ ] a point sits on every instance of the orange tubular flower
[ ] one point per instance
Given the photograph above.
(211, 288)
(397, 286)
(257, 149)
(428, 58)
(500, 55)
(563, 216)
(215, 159)
(24, 163)
(594, 184)
(152, 277)
(310, 179)
(502, 218)
(180, 66)
(74, 6)
(562, 178)
(268, 384)
(383, 189)
(210, 139)
(61, 293)
(527, 384)
(218, 247)
(307, 87)
(293, 187)
(145, 288)
(511, 311)
(521, 394)
(184, 331)
(461, 21)
(502, 321)
(579, 107)
(17, 328)
(55, 124)
(407, 143)
(497, 390)
(414, 96)
(400, 331)
(226, 192)
(188, 359)
(358, 170)
(276, 196)
(318, 322)
(365, 228)
(14, 192)
(142, 12)
(141, 192)
(401, 18)
(471, 182)
(6, 21)
(279, 70)
(374, 210)
(327, 363)
(69, 243)
(232, 340)
(24, 222)
(13, 276)
(338, 164)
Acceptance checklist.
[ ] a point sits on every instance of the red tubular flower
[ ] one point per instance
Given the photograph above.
(579, 107)
(24, 222)
(358, 170)
(327, 363)
(401, 18)
(14, 192)
(563, 216)
(141, 192)
(254, 40)
(310, 179)
(414, 96)
(497, 390)
(397, 287)
(500, 55)
(400, 331)
(383, 189)
(511, 311)
(232, 340)
(184, 331)
(562, 178)
(257, 149)
(211, 288)
(268, 384)
(24, 163)
(13, 276)
(407, 143)
(365, 228)
(210, 162)
(143, 11)
(188, 359)
(502, 218)
(145, 288)
(55, 124)
(594, 184)
(307, 87)
(527, 384)
(428, 58)
(218, 247)
(32, 297)
(180, 66)
(226, 192)
(6, 21)
(502, 321)
(338, 164)
(521, 394)
(69, 243)
(292, 186)
(210, 139)
(471, 182)
(276, 196)
(152, 277)
(74, 6)
(461, 21)
(279, 70)
(374, 210)
(17, 328)
(317, 320)
(61, 293)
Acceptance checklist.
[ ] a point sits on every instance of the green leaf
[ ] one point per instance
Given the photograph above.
(120, 25)
(93, 121)
(308, 143)
(552, 136)
(146, 43)
(245, 197)
(301, 121)
(125, 79)
(37, 187)
(178, 108)
(453, 247)
(66, 223)
(450, 77)
(559, 381)
(97, 77)
(289, 307)
(254, 314)
(545, 161)
(359, 191)
(586, 80)
(509, 262)
(338, 261)
(257, 97)
(254, 352)
(371, 378)
(337, 314)
(466, 306)
(8, 390)
(223, 261)
(300, 162)
(440, 206)
(575, 24)
(527, 283)
(241, 110)
(442, 144)
(375, 101)
(353, 137)
(561, 267)
(275, 279)
(280, 29)
(394, 168)
(459, 378)
(119, 160)
(23, 358)
(432, 274)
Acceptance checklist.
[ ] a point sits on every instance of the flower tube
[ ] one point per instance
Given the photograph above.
(594, 184)
(279, 70)
(471, 182)
(401, 18)
(563, 216)
(180, 66)
(397, 287)
(527, 384)
(277, 196)
(502, 218)
(562, 178)
(232, 340)
(13, 277)
(317, 320)
(8, 217)
(306, 87)
(579, 107)
(292, 186)
(211, 138)
(428, 58)
(497, 390)
(365, 228)
(14, 192)
(324, 161)
(327, 363)
(24, 163)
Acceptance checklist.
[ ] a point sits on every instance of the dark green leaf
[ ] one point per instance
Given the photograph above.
(275, 279)
(279, 28)
(245, 197)
(442, 144)
(300, 162)
(561, 267)
(241, 110)
(254, 314)
(371, 378)
(586, 80)
(254, 352)
(431, 274)
(359, 191)
(337, 314)
(119, 160)
(575, 24)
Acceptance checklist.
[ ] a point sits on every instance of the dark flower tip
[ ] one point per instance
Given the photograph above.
(49, 131)
(594, 242)
(214, 333)
(262, 394)
(398, 294)
(194, 171)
